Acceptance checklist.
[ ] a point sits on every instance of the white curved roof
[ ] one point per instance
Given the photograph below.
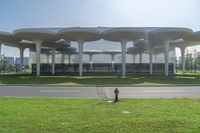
(160, 50)
(19, 44)
(118, 34)
(112, 52)
(51, 36)
(141, 45)
(84, 34)
(33, 34)
(170, 34)
(194, 37)
(134, 50)
(92, 52)
(67, 50)
(7, 37)
(192, 40)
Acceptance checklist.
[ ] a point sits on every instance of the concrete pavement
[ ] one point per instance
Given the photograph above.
(101, 92)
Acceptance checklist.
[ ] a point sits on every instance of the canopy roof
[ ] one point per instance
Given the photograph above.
(61, 37)
(8, 37)
(112, 52)
(118, 34)
(159, 36)
(34, 34)
(92, 52)
(168, 34)
(83, 34)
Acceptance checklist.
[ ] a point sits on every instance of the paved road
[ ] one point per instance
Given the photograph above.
(101, 92)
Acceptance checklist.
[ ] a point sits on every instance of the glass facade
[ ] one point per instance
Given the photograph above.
(67, 63)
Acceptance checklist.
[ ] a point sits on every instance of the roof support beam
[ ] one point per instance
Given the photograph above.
(38, 52)
(80, 47)
(151, 61)
(133, 58)
(63, 57)
(90, 56)
(69, 58)
(112, 59)
(183, 58)
(0, 48)
(123, 48)
(47, 58)
(21, 50)
(53, 60)
(140, 57)
(166, 58)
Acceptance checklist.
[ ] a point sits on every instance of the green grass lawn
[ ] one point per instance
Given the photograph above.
(54, 115)
(100, 80)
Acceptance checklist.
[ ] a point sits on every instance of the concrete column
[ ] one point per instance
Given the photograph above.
(63, 57)
(140, 57)
(151, 61)
(155, 57)
(166, 58)
(0, 48)
(53, 60)
(38, 52)
(133, 58)
(174, 61)
(47, 58)
(183, 58)
(90, 56)
(123, 48)
(80, 47)
(112, 59)
(69, 56)
(21, 50)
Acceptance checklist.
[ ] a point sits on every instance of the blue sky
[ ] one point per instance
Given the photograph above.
(66, 13)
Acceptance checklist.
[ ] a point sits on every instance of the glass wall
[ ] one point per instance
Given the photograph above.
(102, 63)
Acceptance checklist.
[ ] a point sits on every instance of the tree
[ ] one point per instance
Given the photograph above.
(4, 66)
(189, 62)
(2, 62)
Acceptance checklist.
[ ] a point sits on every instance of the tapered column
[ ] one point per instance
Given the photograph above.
(69, 58)
(38, 52)
(140, 57)
(80, 47)
(0, 57)
(63, 57)
(123, 48)
(166, 58)
(151, 61)
(174, 66)
(21, 50)
(90, 56)
(156, 57)
(47, 58)
(53, 60)
(133, 58)
(112, 59)
(183, 58)
(0, 48)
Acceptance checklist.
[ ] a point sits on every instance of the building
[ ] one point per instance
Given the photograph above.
(25, 60)
(102, 50)
(10, 60)
(25, 63)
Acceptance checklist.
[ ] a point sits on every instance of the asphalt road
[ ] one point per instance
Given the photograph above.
(101, 92)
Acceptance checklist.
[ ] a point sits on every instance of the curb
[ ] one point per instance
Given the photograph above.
(134, 85)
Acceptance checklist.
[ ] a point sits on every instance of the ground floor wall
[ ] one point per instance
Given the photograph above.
(103, 69)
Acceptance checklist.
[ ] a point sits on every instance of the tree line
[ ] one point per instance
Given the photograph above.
(192, 62)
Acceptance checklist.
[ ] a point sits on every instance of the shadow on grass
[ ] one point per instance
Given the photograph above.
(99, 80)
